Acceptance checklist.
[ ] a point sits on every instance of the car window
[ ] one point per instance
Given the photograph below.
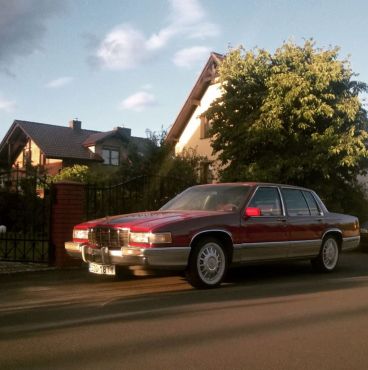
(312, 204)
(210, 198)
(295, 202)
(267, 199)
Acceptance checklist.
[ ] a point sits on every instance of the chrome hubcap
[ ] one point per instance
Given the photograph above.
(211, 263)
(330, 254)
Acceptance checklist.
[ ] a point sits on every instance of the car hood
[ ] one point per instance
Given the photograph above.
(146, 221)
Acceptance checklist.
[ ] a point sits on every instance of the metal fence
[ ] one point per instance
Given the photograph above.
(144, 193)
(25, 209)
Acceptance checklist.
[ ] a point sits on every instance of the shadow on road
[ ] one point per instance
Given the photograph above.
(76, 298)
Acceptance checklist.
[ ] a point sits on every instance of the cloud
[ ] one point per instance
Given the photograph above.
(122, 48)
(23, 23)
(138, 101)
(190, 18)
(59, 82)
(190, 56)
(7, 105)
(126, 47)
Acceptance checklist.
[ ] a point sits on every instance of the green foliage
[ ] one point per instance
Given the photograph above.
(293, 117)
(85, 174)
(77, 173)
(160, 160)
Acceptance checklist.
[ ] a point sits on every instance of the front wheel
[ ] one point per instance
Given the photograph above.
(328, 256)
(207, 264)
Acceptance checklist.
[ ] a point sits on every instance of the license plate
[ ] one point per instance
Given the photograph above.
(101, 269)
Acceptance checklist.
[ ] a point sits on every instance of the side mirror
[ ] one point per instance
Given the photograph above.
(252, 212)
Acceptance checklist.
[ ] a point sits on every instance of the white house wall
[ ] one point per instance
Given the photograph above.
(190, 138)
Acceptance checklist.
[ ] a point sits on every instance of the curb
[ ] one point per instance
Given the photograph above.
(17, 267)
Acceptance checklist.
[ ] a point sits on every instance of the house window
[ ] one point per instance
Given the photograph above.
(27, 157)
(42, 159)
(205, 172)
(110, 156)
(205, 127)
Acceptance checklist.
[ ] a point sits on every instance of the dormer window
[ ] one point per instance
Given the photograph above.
(110, 156)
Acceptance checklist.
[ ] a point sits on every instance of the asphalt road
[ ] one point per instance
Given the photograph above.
(265, 317)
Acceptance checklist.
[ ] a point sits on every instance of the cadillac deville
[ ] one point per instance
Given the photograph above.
(208, 228)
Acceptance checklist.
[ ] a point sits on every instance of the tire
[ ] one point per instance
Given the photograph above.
(208, 264)
(328, 256)
(123, 273)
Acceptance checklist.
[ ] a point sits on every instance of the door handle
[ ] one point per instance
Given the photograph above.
(281, 219)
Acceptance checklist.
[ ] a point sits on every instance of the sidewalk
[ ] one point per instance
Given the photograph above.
(15, 267)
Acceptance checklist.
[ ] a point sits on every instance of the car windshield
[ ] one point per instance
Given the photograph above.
(227, 198)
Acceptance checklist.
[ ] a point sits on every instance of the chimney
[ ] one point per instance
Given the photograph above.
(124, 132)
(75, 124)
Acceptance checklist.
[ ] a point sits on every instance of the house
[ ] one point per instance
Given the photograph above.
(190, 129)
(54, 147)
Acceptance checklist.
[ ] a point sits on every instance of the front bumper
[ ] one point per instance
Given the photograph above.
(168, 257)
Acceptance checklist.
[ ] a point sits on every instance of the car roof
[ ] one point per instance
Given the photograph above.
(255, 184)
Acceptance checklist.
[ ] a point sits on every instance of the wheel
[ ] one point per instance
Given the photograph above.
(207, 264)
(328, 256)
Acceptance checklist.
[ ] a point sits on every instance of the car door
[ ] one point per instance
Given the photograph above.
(264, 236)
(305, 222)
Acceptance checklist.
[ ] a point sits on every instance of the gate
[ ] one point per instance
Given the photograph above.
(144, 193)
(25, 209)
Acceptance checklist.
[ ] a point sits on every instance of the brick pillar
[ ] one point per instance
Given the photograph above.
(67, 211)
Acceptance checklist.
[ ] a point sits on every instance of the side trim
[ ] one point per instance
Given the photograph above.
(248, 252)
(170, 257)
(260, 251)
(270, 244)
(260, 244)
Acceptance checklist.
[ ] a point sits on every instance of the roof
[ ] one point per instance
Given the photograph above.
(204, 80)
(122, 133)
(54, 141)
(254, 184)
(59, 142)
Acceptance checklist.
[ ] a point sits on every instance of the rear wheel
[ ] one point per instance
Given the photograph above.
(207, 264)
(328, 256)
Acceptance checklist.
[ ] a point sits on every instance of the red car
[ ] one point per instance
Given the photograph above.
(208, 228)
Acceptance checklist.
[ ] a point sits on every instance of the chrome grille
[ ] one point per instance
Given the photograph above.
(108, 237)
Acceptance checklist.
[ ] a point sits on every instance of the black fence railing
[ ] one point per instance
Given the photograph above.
(144, 193)
(25, 209)
(24, 247)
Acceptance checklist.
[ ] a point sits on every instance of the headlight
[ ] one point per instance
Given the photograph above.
(160, 238)
(363, 230)
(150, 238)
(80, 234)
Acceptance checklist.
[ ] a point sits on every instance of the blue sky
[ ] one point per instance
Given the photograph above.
(133, 63)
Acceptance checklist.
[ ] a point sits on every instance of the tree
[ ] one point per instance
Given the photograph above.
(77, 172)
(294, 117)
(159, 159)
(163, 161)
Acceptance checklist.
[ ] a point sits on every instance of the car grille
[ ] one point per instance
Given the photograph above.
(108, 237)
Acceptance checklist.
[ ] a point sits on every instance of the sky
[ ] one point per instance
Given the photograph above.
(133, 63)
